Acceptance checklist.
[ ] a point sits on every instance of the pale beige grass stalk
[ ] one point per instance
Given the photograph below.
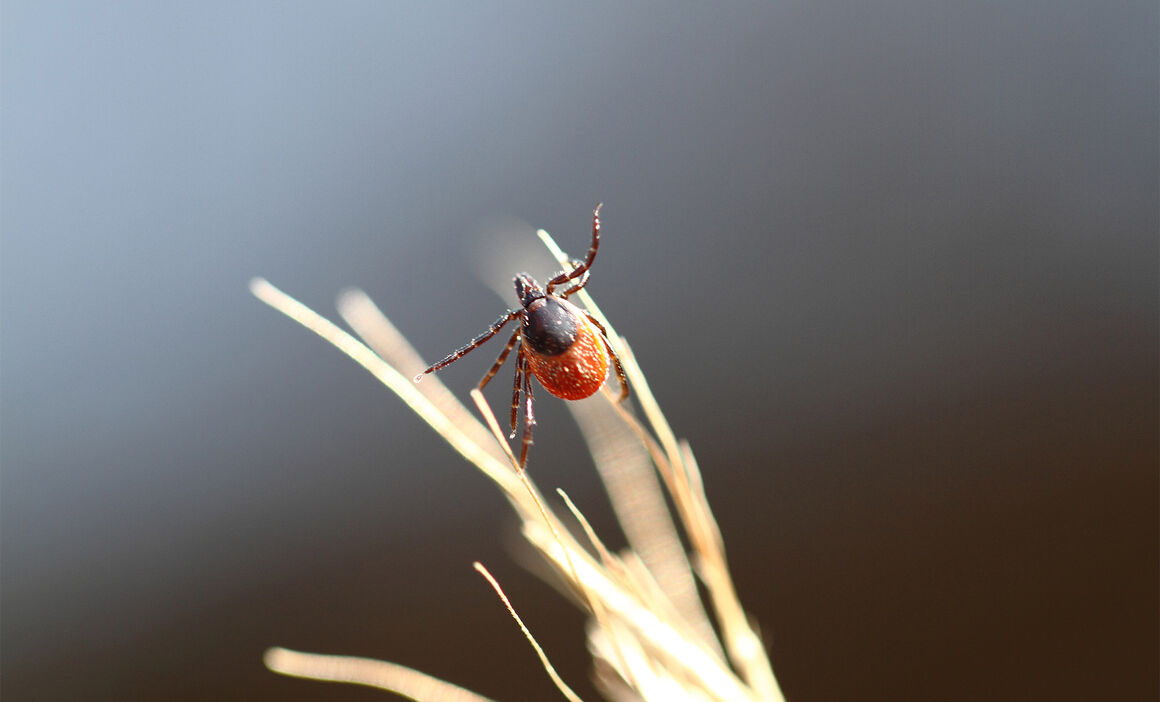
(649, 632)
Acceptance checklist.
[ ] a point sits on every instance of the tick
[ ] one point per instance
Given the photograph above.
(559, 343)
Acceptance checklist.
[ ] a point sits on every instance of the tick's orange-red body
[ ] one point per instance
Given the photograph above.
(563, 346)
(580, 370)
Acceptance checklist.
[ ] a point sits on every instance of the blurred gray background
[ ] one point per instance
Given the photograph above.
(891, 267)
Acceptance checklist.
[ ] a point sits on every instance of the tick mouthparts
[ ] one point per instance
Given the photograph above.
(419, 377)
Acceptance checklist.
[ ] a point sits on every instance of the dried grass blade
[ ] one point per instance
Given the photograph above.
(613, 567)
(745, 647)
(686, 654)
(401, 385)
(391, 677)
(365, 318)
(631, 482)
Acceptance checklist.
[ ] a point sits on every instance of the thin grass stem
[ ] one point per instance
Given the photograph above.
(560, 684)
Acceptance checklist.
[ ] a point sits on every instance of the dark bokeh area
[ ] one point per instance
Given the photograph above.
(890, 267)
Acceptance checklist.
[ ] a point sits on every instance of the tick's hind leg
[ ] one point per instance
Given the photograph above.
(516, 389)
(615, 359)
(529, 417)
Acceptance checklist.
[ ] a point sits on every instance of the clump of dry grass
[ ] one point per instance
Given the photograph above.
(649, 632)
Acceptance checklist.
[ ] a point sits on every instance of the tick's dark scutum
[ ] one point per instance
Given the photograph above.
(549, 326)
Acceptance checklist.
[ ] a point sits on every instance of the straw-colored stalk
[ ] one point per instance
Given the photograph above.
(649, 632)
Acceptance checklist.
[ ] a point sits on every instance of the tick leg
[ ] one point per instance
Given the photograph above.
(615, 359)
(578, 286)
(529, 417)
(582, 268)
(516, 389)
(499, 361)
(473, 344)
